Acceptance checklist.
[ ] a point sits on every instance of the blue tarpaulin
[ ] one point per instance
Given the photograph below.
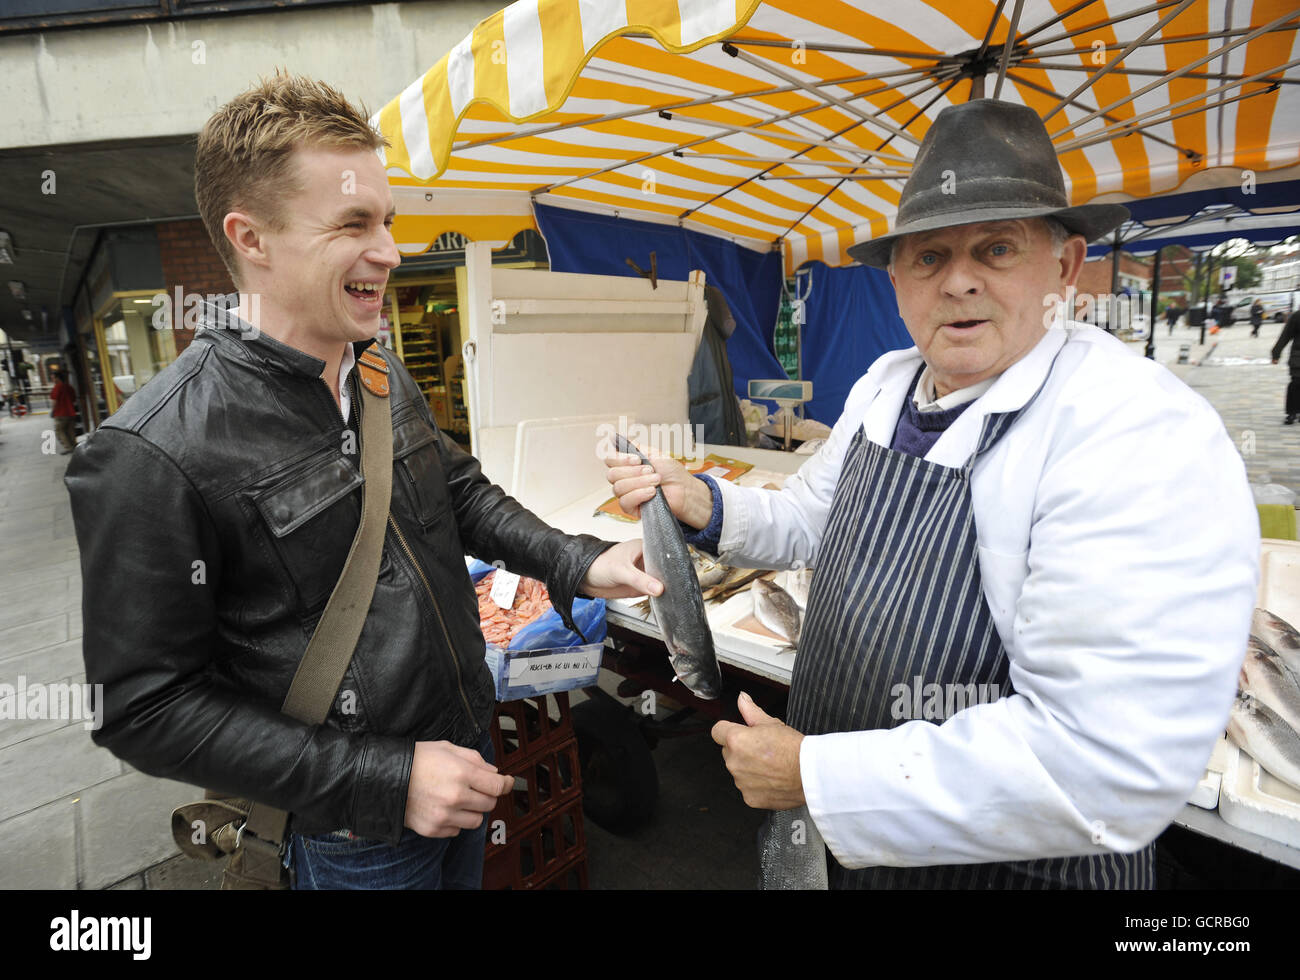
(1262, 217)
(850, 318)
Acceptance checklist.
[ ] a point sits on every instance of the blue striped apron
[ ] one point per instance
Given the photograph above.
(897, 596)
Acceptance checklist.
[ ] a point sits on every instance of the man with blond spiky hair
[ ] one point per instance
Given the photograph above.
(216, 509)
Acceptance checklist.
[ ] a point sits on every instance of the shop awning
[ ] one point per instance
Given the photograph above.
(1265, 214)
(791, 125)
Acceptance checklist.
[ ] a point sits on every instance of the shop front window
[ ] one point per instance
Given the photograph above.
(133, 350)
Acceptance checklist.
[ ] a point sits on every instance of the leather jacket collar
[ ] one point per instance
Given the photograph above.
(233, 334)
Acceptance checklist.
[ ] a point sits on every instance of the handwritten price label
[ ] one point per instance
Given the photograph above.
(504, 586)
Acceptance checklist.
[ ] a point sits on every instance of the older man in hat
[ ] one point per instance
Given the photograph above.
(1035, 555)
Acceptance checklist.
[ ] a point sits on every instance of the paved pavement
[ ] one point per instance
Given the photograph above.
(1238, 380)
(73, 816)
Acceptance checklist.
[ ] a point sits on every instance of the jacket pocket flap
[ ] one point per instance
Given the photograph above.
(291, 504)
(411, 434)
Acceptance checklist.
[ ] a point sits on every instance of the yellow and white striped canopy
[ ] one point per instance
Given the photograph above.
(792, 123)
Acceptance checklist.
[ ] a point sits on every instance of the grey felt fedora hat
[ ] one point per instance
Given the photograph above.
(986, 161)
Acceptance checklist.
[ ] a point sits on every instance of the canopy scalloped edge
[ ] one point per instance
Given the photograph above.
(435, 87)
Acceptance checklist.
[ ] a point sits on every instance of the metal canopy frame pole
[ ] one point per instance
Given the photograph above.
(794, 162)
(988, 35)
(761, 175)
(767, 42)
(1170, 39)
(1115, 62)
(469, 144)
(1205, 290)
(812, 89)
(1109, 118)
(1110, 21)
(806, 110)
(1215, 213)
(829, 176)
(1246, 39)
(1110, 132)
(1155, 303)
(1056, 19)
(1006, 49)
(1034, 65)
(1114, 282)
(940, 94)
(806, 141)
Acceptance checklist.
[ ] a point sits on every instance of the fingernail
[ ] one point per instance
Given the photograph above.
(647, 469)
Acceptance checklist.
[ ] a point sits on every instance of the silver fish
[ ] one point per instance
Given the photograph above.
(1271, 742)
(736, 580)
(776, 609)
(1265, 676)
(708, 570)
(791, 853)
(1279, 635)
(679, 609)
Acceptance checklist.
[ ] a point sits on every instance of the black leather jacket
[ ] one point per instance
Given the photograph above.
(214, 512)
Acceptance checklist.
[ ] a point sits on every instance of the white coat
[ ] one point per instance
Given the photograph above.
(1119, 556)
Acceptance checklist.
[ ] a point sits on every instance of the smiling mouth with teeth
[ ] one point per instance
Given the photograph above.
(365, 289)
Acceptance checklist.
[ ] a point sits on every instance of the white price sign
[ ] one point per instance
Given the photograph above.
(504, 586)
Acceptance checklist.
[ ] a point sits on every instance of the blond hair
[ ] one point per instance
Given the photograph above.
(244, 160)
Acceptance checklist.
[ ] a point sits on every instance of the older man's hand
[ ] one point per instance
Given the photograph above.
(763, 758)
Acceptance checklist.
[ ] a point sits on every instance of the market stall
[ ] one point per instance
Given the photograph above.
(746, 140)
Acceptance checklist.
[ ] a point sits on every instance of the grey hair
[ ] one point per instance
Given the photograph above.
(1058, 232)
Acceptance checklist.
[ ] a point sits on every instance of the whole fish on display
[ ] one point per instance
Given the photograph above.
(737, 580)
(1265, 676)
(679, 609)
(708, 570)
(1271, 742)
(776, 609)
(1276, 633)
(797, 583)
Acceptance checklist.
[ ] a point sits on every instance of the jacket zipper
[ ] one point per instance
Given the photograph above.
(401, 539)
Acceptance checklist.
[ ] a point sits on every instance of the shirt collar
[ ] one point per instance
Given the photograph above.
(345, 367)
(924, 395)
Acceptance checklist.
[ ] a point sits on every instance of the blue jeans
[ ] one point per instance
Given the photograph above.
(334, 861)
